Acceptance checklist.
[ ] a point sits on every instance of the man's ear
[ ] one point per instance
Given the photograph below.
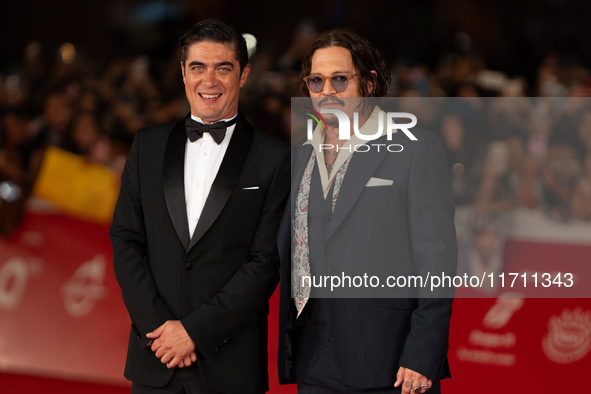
(183, 71)
(244, 75)
(372, 83)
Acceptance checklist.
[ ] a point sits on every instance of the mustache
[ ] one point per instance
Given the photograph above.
(334, 99)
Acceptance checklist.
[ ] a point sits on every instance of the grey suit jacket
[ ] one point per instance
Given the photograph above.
(403, 228)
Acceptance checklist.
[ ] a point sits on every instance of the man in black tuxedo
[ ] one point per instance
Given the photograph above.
(362, 211)
(194, 232)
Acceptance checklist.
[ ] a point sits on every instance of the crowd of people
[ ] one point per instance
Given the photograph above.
(513, 152)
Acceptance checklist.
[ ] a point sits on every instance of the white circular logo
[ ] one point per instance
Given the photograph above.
(569, 336)
(85, 287)
(13, 281)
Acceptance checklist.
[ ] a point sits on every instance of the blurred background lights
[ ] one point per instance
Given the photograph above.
(32, 50)
(251, 43)
(68, 53)
(9, 191)
(12, 89)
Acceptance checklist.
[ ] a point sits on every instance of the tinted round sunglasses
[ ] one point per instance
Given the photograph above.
(339, 82)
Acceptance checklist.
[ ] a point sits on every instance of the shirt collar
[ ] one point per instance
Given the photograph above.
(196, 119)
(369, 127)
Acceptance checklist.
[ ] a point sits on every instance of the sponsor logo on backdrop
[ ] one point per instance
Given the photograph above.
(14, 277)
(500, 313)
(492, 347)
(85, 287)
(569, 336)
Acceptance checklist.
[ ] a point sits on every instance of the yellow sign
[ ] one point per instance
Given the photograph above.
(85, 190)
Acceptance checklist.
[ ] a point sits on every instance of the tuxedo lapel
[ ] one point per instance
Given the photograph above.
(363, 165)
(226, 179)
(174, 181)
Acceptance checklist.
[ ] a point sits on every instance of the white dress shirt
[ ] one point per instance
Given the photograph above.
(202, 163)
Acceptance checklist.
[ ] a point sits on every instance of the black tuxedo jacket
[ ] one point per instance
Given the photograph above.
(406, 224)
(218, 282)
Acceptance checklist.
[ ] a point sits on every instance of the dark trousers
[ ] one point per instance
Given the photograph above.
(184, 381)
(316, 371)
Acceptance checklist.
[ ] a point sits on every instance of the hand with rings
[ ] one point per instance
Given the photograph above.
(412, 382)
(417, 389)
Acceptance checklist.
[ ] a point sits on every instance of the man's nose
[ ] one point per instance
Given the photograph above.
(209, 78)
(327, 89)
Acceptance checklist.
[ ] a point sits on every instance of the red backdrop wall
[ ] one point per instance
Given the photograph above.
(63, 326)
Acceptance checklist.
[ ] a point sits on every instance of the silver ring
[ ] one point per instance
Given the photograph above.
(417, 389)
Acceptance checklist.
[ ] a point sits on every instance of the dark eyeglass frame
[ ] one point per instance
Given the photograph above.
(332, 79)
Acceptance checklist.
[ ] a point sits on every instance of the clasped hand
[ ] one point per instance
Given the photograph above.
(172, 345)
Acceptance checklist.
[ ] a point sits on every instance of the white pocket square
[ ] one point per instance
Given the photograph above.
(379, 182)
(250, 188)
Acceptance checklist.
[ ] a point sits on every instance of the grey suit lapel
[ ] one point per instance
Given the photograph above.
(363, 165)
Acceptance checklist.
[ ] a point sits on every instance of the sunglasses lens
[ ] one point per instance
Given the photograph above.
(315, 84)
(339, 82)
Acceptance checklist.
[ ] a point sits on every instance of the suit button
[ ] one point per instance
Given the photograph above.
(189, 266)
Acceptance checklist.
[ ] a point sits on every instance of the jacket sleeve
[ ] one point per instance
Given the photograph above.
(434, 251)
(128, 238)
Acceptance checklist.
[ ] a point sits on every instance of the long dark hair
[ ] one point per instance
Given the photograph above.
(366, 58)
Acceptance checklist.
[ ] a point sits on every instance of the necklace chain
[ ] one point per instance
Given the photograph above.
(329, 166)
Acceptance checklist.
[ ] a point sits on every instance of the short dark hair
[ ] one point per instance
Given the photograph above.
(365, 58)
(214, 30)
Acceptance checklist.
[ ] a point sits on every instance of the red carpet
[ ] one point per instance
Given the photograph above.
(49, 328)
(23, 384)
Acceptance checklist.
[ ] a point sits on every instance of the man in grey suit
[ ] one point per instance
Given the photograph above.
(363, 211)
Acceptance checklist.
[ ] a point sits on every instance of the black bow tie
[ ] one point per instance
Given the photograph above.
(217, 130)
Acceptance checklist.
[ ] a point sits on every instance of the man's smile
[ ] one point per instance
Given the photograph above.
(210, 96)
